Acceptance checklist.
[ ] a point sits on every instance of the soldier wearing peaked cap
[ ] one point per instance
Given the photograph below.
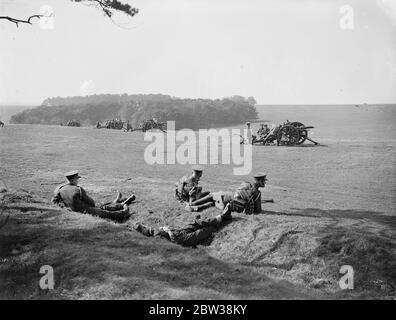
(188, 190)
(263, 131)
(246, 199)
(74, 197)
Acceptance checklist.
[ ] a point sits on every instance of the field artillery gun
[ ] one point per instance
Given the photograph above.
(73, 123)
(150, 124)
(286, 134)
(111, 124)
(1, 123)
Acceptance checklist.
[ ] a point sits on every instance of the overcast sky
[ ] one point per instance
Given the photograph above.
(279, 51)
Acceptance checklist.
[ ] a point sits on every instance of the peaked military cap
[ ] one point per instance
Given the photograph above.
(197, 168)
(72, 174)
(260, 175)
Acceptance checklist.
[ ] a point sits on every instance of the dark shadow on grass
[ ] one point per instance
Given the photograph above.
(375, 216)
(267, 212)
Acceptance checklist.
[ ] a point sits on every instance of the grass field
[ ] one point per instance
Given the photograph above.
(334, 205)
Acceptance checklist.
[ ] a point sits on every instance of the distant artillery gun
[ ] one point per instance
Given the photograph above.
(111, 124)
(151, 124)
(1, 123)
(286, 134)
(73, 123)
(125, 125)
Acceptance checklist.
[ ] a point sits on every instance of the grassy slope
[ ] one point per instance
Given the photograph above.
(276, 256)
(94, 258)
(326, 214)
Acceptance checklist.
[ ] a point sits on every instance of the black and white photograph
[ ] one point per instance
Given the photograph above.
(207, 151)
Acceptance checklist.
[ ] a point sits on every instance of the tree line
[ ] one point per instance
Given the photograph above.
(187, 113)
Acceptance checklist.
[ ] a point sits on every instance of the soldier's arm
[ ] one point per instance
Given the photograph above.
(257, 203)
(85, 198)
(56, 199)
(181, 185)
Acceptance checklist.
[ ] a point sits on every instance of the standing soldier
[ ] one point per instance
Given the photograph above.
(249, 133)
(128, 126)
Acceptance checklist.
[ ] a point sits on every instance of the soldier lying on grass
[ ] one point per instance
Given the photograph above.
(192, 234)
(74, 197)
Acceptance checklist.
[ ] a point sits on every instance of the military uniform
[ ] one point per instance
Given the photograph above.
(76, 199)
(191, 235)
(250, 136)
(262, 132)
(246, 199)
(187, 189)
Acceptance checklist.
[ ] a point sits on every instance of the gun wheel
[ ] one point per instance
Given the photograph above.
(288, 135)
(303, 133)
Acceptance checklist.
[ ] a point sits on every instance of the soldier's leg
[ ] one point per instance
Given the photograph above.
(119, 215)
(200, 207)
(194, 238)
(111, 206)
(217, 221)
(202, 194)
(222, 198)
(202, 200)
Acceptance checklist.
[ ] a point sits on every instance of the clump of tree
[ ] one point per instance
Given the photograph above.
(187, 113)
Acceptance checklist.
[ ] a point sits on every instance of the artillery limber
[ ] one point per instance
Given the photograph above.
(112, 124)
(286, 134)
(73, 123)
(151, 124)
(126, 126)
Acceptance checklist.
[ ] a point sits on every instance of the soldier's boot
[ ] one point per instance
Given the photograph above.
(191, 208)
(118, 198)
(226, 215)
(129, 200)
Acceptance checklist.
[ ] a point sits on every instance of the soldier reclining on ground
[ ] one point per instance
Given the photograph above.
(246, 199)
(74, 197)
(191, 235)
